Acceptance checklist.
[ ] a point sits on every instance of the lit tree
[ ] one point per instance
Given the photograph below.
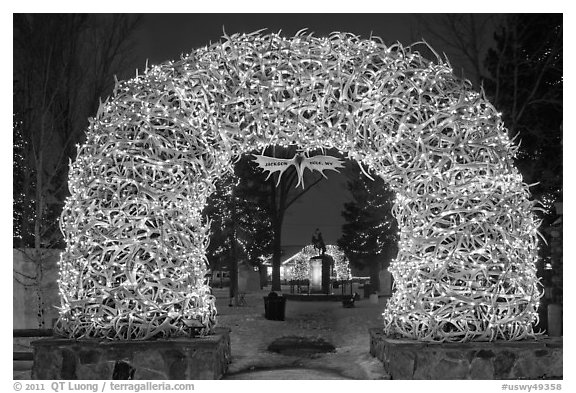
(526, 85)
(240, 219)
(253, 213)
(301, 262)
(370, 234)
(23, 206)
(24, 218)
(218, 211)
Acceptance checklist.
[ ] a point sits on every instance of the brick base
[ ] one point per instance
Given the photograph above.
(408, 359)
(177, 358)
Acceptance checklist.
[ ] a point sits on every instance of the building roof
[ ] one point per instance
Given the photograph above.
(290, 251)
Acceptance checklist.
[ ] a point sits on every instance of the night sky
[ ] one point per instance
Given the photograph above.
(164, 37)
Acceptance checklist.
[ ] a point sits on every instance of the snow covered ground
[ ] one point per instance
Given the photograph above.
(345, 328)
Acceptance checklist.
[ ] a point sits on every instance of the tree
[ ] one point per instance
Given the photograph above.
(517, 59)
(283, 196)
(370, 234)
(465, 38)
(22, 204)
(63, 64)
(239, 220)
(259, 210)
(218, 211)
(525, 84)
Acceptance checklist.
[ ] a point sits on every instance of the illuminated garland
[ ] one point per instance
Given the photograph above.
(341, 263)
(301, 264)
(134, 265)
(301, 268)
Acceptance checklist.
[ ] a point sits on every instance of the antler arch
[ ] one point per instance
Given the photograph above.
(134, 264)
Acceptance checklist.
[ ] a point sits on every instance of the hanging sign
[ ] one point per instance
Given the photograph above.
(300, 162)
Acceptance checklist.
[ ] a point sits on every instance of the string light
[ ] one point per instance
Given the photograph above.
(134, 266)
(299, 266)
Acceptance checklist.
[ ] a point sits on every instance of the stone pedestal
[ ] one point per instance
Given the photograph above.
(315, 275)
(319, 275)
(176, 358)
(408, 359)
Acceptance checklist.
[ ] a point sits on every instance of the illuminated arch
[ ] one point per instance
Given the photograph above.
(134, 264)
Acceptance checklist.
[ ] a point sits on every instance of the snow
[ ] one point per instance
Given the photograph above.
(345, 328)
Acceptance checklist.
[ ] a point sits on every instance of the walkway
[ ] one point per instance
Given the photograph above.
(345, 328)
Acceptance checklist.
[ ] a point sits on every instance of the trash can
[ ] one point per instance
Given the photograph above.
(274, 307)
